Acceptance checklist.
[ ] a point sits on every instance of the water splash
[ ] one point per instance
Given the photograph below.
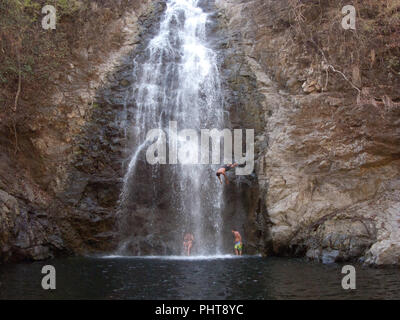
(183, 258)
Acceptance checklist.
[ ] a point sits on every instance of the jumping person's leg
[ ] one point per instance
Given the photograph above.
(226, 179)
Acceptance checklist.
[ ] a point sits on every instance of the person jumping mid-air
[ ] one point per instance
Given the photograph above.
(188, 243)
(223, 170)
(238, 242)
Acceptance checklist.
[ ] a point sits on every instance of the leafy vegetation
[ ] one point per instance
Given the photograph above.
(374, 47)
(27, 50)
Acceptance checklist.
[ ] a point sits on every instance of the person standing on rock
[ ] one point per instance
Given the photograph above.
(238, 243)
(223, 170)
(188, 243)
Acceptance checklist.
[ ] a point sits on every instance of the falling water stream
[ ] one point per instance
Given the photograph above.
(177, 79)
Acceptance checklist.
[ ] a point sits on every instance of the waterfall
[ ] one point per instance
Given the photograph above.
(175, 79)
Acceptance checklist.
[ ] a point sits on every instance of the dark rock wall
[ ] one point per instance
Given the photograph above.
(242, 209)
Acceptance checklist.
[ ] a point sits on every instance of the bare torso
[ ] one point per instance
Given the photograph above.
(238, 237)
(188, 237)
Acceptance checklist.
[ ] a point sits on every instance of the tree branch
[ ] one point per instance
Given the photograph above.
(19, 83)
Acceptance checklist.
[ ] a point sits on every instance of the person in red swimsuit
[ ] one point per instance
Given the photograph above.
(188, 243)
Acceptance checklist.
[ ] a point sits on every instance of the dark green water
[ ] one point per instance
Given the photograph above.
(198, 278)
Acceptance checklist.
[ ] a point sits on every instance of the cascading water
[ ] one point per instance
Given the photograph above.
(176, 79)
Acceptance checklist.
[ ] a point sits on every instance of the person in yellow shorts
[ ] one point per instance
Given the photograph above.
(238, 243)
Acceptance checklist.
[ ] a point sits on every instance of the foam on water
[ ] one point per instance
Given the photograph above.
(184, 258)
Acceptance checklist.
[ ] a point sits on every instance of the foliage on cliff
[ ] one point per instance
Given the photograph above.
(28, 52)
(367, 56)
(30, 56)
(48, 139)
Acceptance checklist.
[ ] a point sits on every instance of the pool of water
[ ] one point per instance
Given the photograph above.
(219, 277)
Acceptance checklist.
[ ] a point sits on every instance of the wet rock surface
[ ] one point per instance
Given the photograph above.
(328, 164)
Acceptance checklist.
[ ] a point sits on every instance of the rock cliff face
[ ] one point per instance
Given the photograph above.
(326, 117)
(59, 187)
(328, 155)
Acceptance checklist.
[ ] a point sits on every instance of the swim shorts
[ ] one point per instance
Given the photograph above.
(238, 245)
